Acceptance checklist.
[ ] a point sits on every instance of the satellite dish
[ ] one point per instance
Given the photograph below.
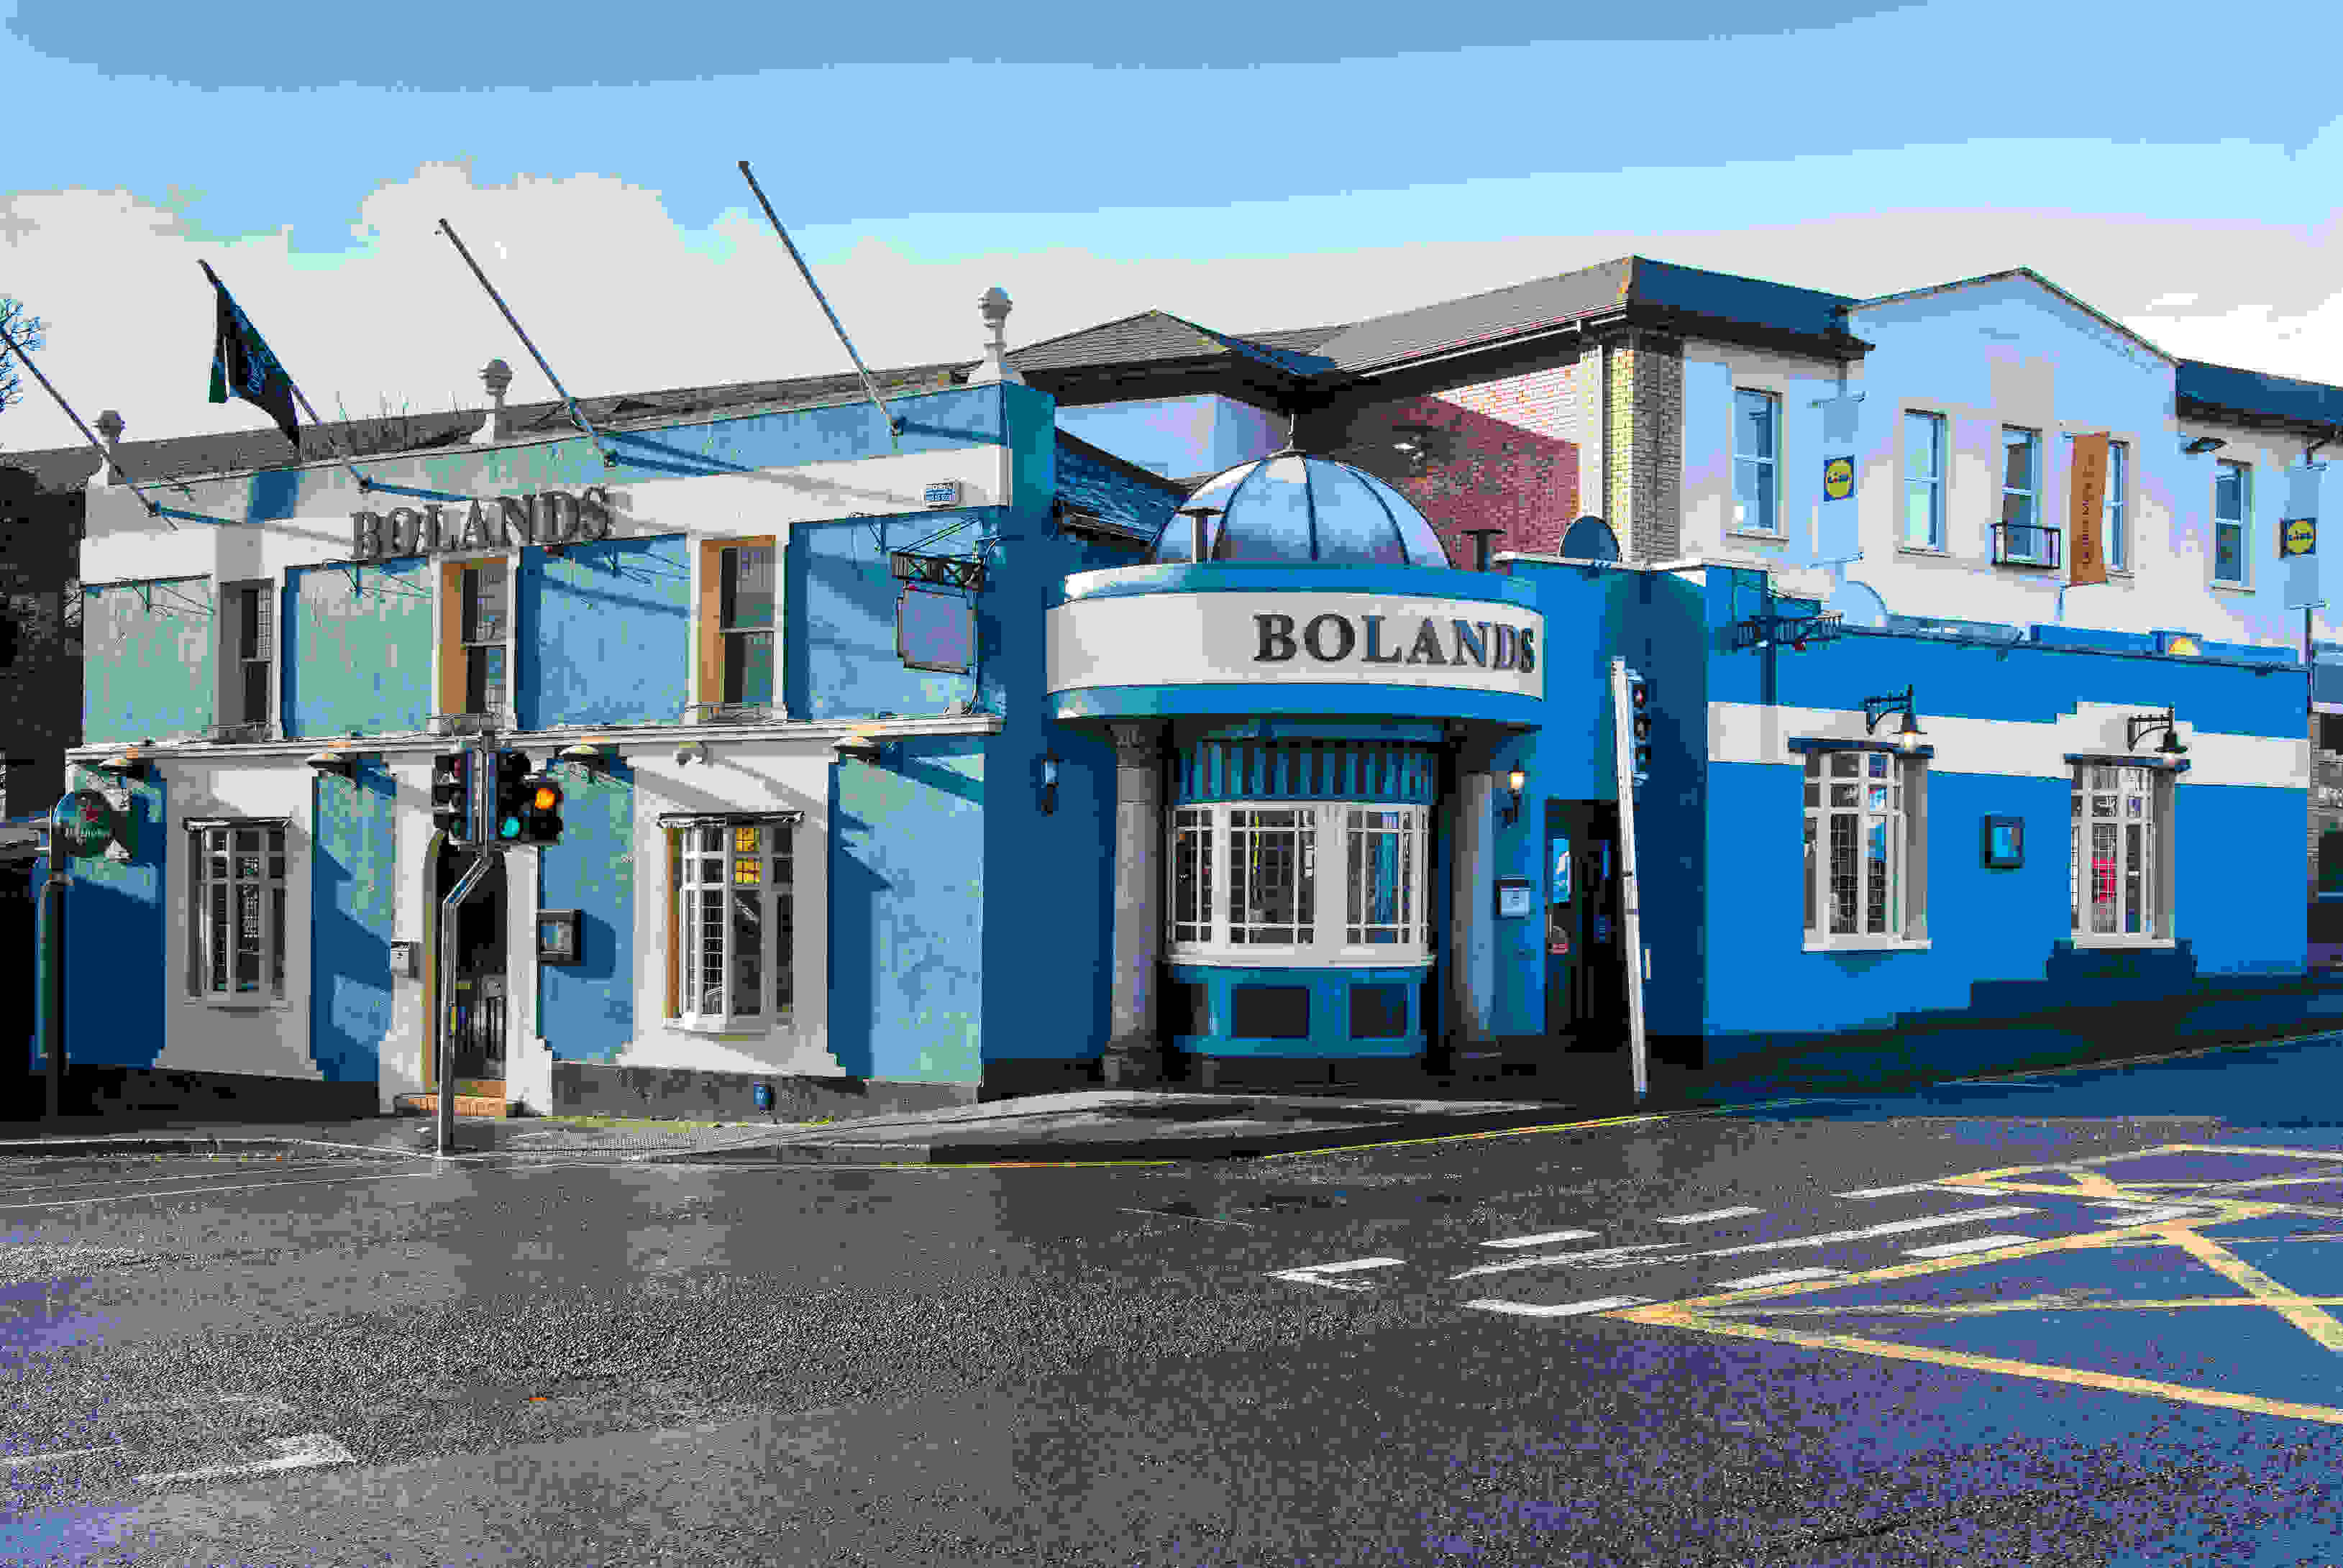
(1590, 539)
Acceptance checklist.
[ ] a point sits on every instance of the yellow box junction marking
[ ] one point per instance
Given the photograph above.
(2083, 1178)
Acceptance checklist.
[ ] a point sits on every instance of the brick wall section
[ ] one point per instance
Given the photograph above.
(1500, 460)
(1646, 449)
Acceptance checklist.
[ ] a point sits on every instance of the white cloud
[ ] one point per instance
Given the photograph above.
(622, 299)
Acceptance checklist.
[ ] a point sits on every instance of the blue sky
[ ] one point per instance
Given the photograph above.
(1253, 166)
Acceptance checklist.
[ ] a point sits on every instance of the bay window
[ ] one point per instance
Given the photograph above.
(1307, 882)
(2118, 868)
(732, 928)
(1865, 850)
(235, 912)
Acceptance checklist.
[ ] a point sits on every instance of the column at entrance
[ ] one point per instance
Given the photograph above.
(1472, 935)
(1134, 1049)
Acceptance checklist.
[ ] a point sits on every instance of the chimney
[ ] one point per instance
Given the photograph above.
(110, 426)
(495, 376)
(994, 308)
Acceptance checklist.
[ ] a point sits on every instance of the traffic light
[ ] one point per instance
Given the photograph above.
(451, 796)
(1639, 721)
(512, 796)
(541, 813)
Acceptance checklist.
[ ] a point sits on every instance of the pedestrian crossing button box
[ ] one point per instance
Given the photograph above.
(1517, 898)
(557, 937)
(403, 959)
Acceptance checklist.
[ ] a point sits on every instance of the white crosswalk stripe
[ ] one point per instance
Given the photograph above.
(1786, 1277)
(1975, 1244)
(1561, 1309)
(1541, 1239)
(1712, 1214)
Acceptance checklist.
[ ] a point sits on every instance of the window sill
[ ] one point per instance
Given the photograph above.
(1759, 534)
(1293, 958)
(1938, 551)
(2220, 586)
(2102, 944)
(1867, 945)
(739, 1029)
(241, 1003)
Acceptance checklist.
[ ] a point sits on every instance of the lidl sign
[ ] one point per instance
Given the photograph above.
(2298, 536)
(1838, 478)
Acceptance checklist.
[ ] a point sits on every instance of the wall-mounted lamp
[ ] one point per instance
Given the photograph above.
(127, 763)
(588, 756)
(691, 752)
(2141, 725)
(1050, 760)
(2204, 443)
(860, 749)
(1875, 709)
(340, 763)
(1517, 779)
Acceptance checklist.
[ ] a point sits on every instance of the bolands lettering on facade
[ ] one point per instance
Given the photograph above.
(548, 518)
(1335, 638)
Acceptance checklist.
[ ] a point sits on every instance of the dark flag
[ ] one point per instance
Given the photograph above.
(243, 367)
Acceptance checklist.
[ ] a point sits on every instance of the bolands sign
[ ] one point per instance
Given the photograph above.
(548, 518)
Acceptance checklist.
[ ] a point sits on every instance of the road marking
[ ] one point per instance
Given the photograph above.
(1712, 1214)
(1200, 1219)
(1312, 1273)
(2147, 1213)
(2028, 1304)
(238, 1168)
(1559, 1309)
(2316, 1321)
(1541, 1239)
(1974, 1244)
(1893, 1228)
(201, 1192)
(11, 1461)
(307, 1452)
(1900, 1191)
(1495, 1132)
(1785, 1277)
(1598, 1259)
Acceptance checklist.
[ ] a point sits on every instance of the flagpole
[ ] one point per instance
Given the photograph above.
(18, 350)
(609, 458)
(894, 430)
(364, 483)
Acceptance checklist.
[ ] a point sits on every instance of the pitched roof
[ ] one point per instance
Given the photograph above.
(2034, 277)
(238, 451)
(2281, 397)
(1158, 335)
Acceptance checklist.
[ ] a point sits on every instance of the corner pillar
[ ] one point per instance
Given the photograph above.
(1134, 1049)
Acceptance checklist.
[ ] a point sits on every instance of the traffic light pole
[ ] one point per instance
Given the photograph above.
(53, 976)
(1631, 918)
(482, 784)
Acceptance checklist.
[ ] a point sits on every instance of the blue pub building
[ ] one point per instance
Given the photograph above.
(1135, 707)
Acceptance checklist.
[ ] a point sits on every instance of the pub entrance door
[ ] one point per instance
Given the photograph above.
(1585, 977)
(475, 991)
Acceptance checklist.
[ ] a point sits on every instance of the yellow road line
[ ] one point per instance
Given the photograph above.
(2245, 1148)
(2250, 1404)
(2029, 1304)
(2312, 1320)
(1463, 1136)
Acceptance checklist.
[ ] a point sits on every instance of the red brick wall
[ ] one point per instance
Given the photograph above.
(1497, 459)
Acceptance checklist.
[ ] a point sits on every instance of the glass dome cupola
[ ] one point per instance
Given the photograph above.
(1290, 507)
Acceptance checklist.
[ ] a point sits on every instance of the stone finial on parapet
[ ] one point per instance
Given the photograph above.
(994, 307)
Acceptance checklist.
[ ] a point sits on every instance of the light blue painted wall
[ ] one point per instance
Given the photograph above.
(358, 652)
(1179, 438)
(604, 633)
(353, 898)
(586, 1010)
(146, 660)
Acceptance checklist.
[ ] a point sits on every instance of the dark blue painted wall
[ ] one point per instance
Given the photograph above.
(605, 633)
(117, 970)
(353, 898)
(586, 1010)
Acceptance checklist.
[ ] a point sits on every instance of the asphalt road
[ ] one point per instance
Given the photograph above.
(1707, 1339)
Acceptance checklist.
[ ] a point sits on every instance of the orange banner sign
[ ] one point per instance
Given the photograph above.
(2087, 500)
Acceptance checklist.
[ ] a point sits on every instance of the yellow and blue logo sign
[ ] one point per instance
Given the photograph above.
(2298, 536)
(1838, 478)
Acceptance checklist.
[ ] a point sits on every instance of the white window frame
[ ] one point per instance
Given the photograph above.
(237, 656)
(689, 861)
(2243, 522)
(1206, 929)
(500, 700)
(269, 881)
(1905, 902)
(727, 569)
(2151, 788)
(1769, 467)
(1938, 436)
(2116, 511)
(2031, 494)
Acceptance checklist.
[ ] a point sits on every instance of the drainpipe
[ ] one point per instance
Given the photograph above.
(1479, 537)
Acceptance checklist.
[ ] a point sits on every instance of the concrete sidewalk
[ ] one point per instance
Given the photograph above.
(1102, 1124)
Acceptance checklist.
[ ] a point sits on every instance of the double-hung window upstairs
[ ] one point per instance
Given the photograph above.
(739, 598)
(2233, 498)
(1757, 462)
(247, 624)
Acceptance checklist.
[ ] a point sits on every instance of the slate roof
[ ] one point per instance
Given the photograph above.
(1096, 481)
(1154, 335)
(2032, 276)
(2257, 392)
